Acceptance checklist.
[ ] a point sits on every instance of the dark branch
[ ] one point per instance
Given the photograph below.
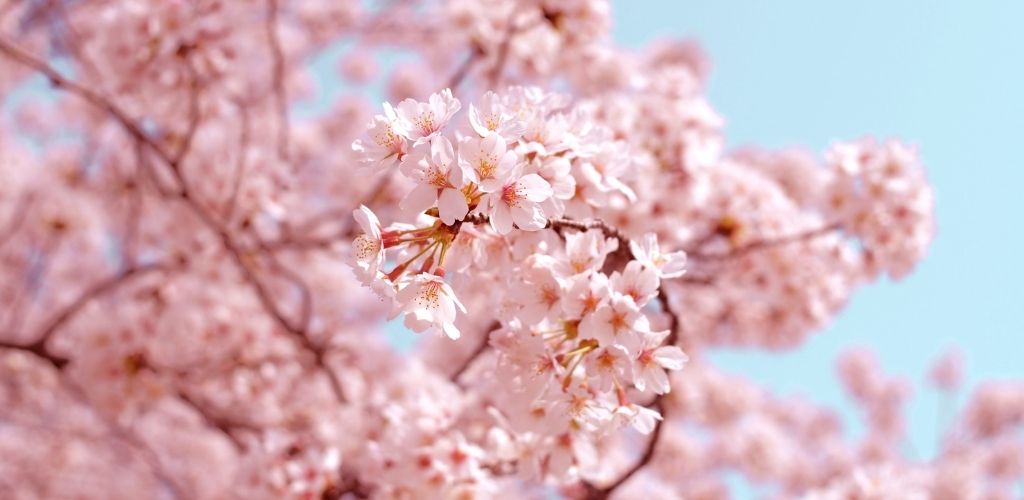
(479, 350)
(280, 93)
(765, 244)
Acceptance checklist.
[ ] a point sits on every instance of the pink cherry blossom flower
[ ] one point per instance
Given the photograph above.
(641, 418)
(422, 121)
(946, 372)
(639, 282)
(585, 294)
(608, 365)
(517, 201)
(367, 248)
(440, 182)
(385, 146)
(615, 323)
(429, 303)
(652, 361)
(579, 408)
(539, 293)
(585, 252)
(486, 161)
(490, 115)
(648, 253)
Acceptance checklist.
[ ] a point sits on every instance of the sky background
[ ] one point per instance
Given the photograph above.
(946, 76)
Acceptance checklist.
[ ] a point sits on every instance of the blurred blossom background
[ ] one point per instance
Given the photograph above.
(945, 76)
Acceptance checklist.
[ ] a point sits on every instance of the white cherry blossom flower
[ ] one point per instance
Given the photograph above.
(585, 252)
(652, 361)
(422, 121)
(492, 116)
(641, 418)
(486, 161)
(385, 146)
(440, 182)
(429, 303)
(517, 201)
(585, 294)
(637, 281)
(367, 248)
(607, 365)
(614, 323)
(647, 251)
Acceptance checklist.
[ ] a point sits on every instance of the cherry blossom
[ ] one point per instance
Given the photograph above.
(422, 121)
(385, 146)
(647, 252)
(517, 200)
(369, 246)
(486, 161)
(440, 183)
(430, 303)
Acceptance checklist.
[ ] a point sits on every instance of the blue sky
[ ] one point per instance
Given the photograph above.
(946, 76)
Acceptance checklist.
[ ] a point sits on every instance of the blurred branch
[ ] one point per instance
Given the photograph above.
(173, 163)
(240, 160)
(463, 70)
(477, 352)
(16, 220)
(277, 77)
(765, 244)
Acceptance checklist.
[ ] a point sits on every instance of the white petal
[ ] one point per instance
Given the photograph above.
(671, 357)
(501, 219)
(452, 206)
(419, 199)
(535, 188)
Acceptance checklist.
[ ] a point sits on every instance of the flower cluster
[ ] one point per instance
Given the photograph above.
(577, 355)
(516, 161)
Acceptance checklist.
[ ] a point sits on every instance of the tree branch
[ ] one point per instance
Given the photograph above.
(277, 76)
(477, 352)
(766, 243)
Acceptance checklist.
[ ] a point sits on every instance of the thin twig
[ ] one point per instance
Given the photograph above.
(240, 161)
(277, 76)
(184, 195)
(463, 70)
(477, 352)
(766, 243)
(16, 220)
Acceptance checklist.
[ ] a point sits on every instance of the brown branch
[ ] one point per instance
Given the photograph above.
(38, 268)
(477, 352)
(503, 49)
(248, 273)
(112, 426)
(277, 75)
(240, 163)
(94, 98)
(594, 493)
(766, 243)
(16, 220)
(195, 116)
(225, 425)
(463, 70)
(38, 346)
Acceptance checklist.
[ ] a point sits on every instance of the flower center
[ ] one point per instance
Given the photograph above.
(429, 295)
(366, 247)
(486, 166)
(425, 122)
(511, 195)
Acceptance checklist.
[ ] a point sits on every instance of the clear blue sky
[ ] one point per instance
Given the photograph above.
(945, 75)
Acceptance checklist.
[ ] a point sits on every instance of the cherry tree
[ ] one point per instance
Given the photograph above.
(196, 278)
